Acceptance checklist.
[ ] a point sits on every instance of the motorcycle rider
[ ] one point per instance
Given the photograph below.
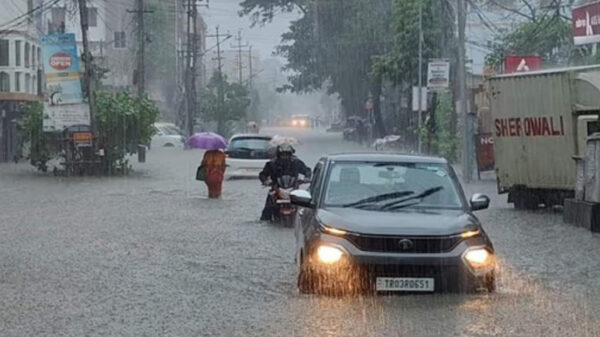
(285, 163)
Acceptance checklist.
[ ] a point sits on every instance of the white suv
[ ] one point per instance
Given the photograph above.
(167, 135)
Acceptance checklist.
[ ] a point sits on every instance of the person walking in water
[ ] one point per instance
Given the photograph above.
(214, 166)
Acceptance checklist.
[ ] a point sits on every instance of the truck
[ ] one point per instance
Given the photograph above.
(541, 121)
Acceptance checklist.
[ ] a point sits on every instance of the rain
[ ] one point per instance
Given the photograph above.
(107, 229)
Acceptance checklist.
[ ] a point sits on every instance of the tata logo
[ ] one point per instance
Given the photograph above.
(406, 244)
(61, 61)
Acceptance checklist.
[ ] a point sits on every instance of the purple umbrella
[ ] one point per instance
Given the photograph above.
(206, 141)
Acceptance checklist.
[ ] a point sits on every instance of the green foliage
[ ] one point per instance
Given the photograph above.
(437, 130)
(32, 132)
(549, 37)
(401, 64)
(235, 100)
(124, 121)
(334, 41)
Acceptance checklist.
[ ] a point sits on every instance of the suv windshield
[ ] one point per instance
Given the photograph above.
(391, 186)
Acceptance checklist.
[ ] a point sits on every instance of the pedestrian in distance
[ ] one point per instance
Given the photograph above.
(213, 163)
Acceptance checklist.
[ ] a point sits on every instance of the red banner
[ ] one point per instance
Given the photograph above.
(516, 64)
(586, 23)
(484, 144)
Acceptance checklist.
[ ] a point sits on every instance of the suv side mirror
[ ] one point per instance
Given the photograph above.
(479, 201)
(301, 198)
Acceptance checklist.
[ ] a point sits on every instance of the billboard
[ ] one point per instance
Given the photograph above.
(438, 75)
(60, 117)
(61, 68)
(516, 64)
(586, 23)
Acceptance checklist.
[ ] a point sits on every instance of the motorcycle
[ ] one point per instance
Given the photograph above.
(284, 211)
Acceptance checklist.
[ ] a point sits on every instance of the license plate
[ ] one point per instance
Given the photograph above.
(404, 284)
(283, 201)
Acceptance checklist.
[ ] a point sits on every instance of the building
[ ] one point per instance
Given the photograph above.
(20, 73)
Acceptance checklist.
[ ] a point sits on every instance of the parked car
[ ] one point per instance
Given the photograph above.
(167, 135)
(247, 155)
(390, 223)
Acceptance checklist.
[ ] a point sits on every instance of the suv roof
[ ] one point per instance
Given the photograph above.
(386, 157)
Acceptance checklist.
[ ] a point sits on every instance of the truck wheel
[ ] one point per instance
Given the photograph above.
(526, 201)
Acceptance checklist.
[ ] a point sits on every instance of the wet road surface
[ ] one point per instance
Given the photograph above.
(149, 255)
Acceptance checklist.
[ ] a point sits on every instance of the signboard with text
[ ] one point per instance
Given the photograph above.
(438, 75)
(59, 117)
(61, 69)
(586, 24)
(518, 64)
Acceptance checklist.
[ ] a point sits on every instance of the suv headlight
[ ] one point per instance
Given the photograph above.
(479, 259)
(328, 254)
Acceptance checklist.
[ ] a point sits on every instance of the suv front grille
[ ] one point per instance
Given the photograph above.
(405, 244)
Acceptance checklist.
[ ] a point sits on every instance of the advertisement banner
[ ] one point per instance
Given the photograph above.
(61, 69)
(59, 117)
(516, 64)
(438, 75)
(586, 24)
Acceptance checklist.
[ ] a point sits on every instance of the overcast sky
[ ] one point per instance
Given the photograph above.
(263, 39)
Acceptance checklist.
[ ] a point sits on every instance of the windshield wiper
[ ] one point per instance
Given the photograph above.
(399, 203)
(379, 198)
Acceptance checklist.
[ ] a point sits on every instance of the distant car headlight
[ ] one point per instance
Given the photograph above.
(294, 122)
(328, 254)
(302, 122)
(479, 258)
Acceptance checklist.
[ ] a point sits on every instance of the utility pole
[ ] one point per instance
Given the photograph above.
(141, 52)
(239, 50)
(220, 94)
(141, 69)
(420, 116)
(89, 71)
(250, 74)
(462, 92)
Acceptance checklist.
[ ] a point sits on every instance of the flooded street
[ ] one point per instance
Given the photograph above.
(150, 255)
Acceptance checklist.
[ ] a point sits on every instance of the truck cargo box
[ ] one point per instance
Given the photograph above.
(540, 122)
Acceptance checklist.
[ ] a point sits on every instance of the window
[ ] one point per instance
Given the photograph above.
(33, 85)
(27, 82)
(27, 52)
(120, 40)
(33, 61)
(315, 185)
(3, 52)
(18, 53)
(39, 56)
(4, 82)
(92, 17)
(58, 18)
(17, 81)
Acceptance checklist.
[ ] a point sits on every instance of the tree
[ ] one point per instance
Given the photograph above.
(124, 121)
(233, 106)
(335, 40)
(544, 31)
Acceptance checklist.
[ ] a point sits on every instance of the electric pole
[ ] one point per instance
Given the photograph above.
(90, 81)
(141, 49)
(139, 11)
(250, 74)
(239, 50)
(420, 93)
(462, 92)
(220, 93)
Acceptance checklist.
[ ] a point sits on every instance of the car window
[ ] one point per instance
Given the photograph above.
(352, 182)
(249, 143)
(315, 185)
